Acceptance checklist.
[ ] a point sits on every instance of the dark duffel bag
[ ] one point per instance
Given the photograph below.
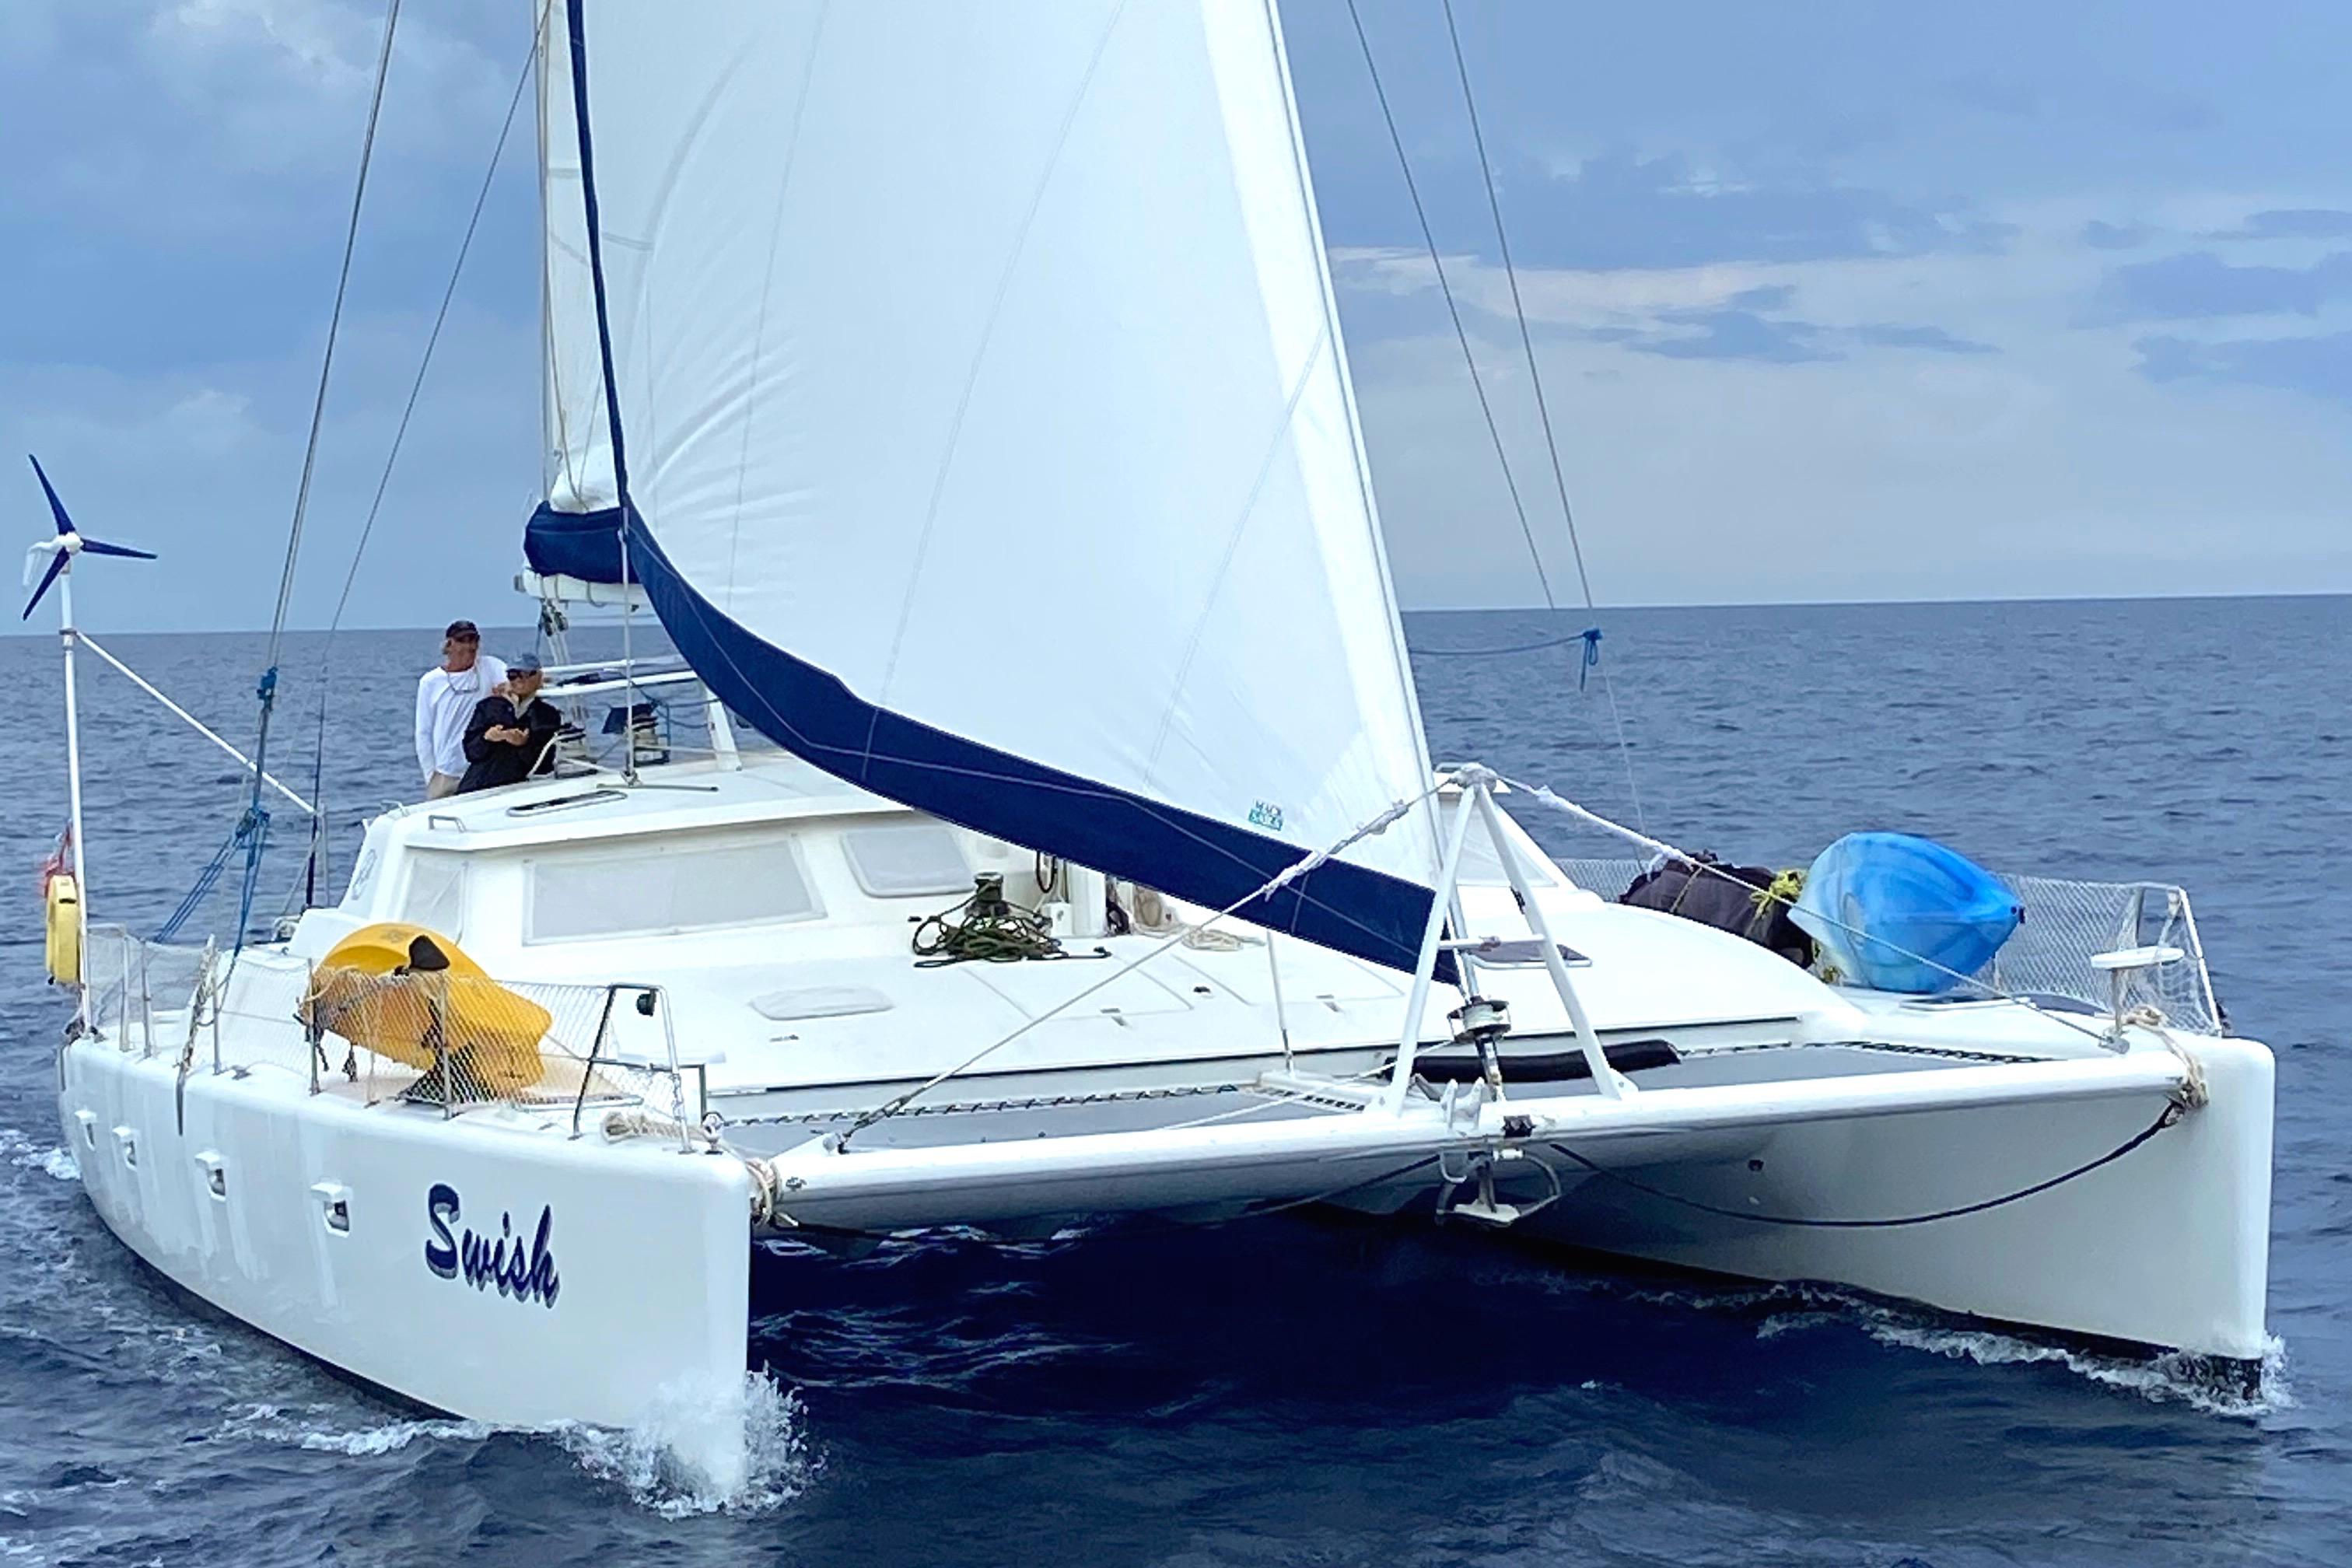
(1728, 897)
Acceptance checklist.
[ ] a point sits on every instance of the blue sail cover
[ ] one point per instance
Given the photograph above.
(582, 544)
(1881, 903)
(969, 382)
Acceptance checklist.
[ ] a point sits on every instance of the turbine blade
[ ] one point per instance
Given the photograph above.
(99, 547)
(57, 569)
(56, 507)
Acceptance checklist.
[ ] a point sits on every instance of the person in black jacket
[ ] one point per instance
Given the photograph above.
(512, 733)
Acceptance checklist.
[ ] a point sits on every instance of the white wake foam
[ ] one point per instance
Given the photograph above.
(31, 1154)
(664, 1463)
(2187, 1379)
(2160, 1379)
(311, 1426)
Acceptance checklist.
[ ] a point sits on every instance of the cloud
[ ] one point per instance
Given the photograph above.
(2319, 366)
(1621, 209)
(1740, 481)
(1701, 313)
(2101, 236)
(2291, 223)
(1742, 331)
(1934, 340)
(1735, 334)
(2199, 284)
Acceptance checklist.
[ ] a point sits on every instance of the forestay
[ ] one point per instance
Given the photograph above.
(985, 430)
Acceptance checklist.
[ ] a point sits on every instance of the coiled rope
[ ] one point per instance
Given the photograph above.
(987, 928)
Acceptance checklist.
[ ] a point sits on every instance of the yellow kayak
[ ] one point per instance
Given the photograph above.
(406, 992)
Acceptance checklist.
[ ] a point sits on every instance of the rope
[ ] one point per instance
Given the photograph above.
(249, 825)
(987, 928)
(1591, 636)
(1460, 334)
(2192, 1071)
(334, 325)
(1543, 414)
(1591, 639)
(400, 434)
(1510, 274)
(266, 690)
(2174, 1109)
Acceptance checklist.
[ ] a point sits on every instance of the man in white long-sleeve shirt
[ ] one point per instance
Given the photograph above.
(445, 696)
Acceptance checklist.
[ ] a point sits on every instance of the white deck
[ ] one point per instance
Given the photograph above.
(832, 1000)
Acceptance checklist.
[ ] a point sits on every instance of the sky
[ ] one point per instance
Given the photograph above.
(1827, 303)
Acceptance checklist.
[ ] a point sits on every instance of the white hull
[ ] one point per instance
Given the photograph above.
(2165, 1247)
(648, 1245)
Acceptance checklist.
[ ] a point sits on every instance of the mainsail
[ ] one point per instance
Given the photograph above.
(975, 416)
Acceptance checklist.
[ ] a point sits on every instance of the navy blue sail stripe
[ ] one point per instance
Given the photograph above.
(582, 544)
(809, 712)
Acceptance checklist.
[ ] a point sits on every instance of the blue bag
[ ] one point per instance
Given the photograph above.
(1880, 903)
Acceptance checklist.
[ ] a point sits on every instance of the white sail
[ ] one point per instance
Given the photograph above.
(576, 456)
(979, 411)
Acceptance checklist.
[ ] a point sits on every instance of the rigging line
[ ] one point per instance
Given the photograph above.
(1498, 652)
(1460, 334)
(1543, 408)
(400, 434)
(433, 339)
(1511, 273)
(334, 323)
(2174, 1109)
(267, 690)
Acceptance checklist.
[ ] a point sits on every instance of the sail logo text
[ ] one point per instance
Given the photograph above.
(497, 1262)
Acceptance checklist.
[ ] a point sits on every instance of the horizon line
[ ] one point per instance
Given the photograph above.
(1467, 609)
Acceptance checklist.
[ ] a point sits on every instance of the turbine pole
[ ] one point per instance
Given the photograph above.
(67, 635)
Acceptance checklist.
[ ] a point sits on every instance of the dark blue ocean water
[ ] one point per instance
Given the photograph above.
(1297, 1390)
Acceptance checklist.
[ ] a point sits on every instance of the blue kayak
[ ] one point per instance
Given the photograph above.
(1897, 912)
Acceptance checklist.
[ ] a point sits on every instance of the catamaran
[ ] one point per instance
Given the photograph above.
(964, 395)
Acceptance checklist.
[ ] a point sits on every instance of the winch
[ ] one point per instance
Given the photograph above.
(1481, 1021)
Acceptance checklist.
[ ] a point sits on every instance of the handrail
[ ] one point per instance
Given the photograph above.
(651, 1000)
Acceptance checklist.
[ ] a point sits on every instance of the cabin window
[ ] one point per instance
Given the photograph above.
(906, 859)
(435, 895)
(650, 891)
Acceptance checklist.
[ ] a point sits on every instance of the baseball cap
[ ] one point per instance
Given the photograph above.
(462, 631)
(524, 664)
